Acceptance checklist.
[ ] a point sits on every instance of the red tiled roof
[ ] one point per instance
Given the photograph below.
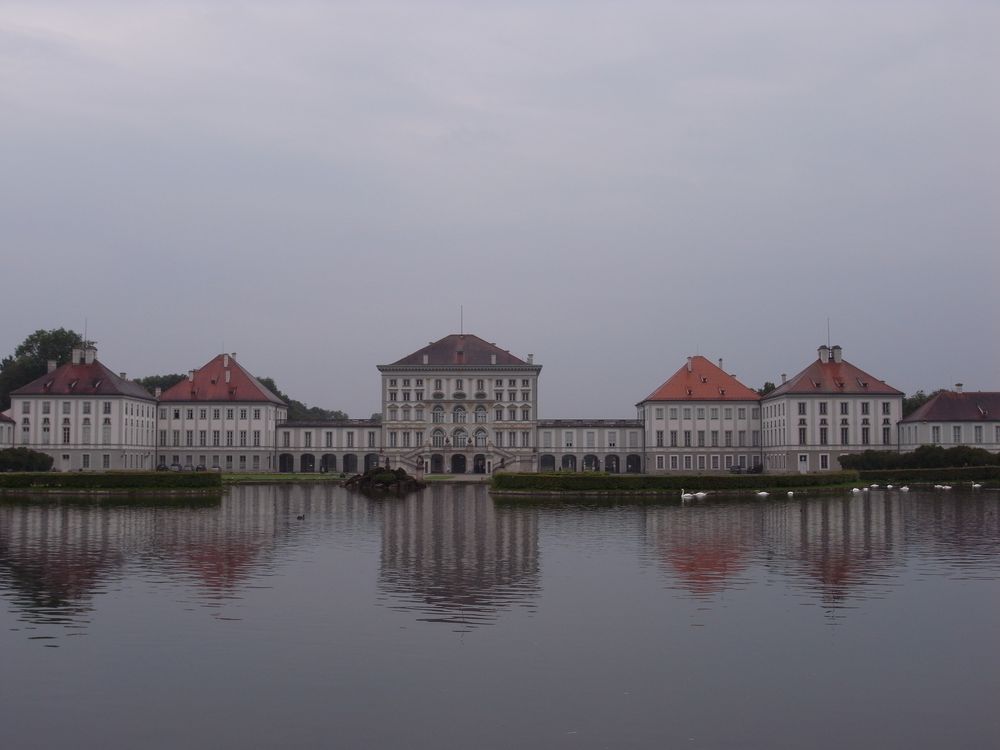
(460, 350)
(951, 406)
(80, 379)
(210, 384)
(5, 418)
(704, 382)
(833, 378)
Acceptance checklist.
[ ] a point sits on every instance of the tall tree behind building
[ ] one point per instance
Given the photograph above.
(30, 359)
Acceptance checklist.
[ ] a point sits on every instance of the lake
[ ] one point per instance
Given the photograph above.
(445, 620)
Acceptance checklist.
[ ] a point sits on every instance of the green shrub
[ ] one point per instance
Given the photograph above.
(924, 457)
(112, 480)
(24, 459)
(592, 481)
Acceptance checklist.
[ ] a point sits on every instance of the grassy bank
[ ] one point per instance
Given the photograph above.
(284, 478)
(571, 482)
(169, 481)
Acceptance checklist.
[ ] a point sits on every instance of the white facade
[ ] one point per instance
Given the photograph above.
(702, 436)
(611, 445)
(86, 417)
(830, 409)
(954, 418)
(6, 432)
(348, 446)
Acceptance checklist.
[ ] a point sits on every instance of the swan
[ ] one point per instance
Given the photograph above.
(701, 495)
(904, 488)
(855, 490)
(945, 486)
(937, 486)
(762, 494)
(888, 486)
(791, 494)
(976, 485)
(864, 489)
(686, 495)
(874, 486)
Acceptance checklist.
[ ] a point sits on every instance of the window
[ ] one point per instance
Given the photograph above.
(256, 463)
(243, 413)
(727, 413)
(202, 437)
(215, 415)
(701, 463)
(437, 385)
(887, 407)
(189, 437)
(65, 435)
(256, 413)
(822, 408)
(418, 395)
(591, 438)
(672, 412)
(728, 436)
(163, 437)
(687, 438)
(498, 414)
(65, 407)
(823, 436)
(802, 436)
(701, 438)
(687, 462)
(741, 413)
(202, 413)
(177, 413)
(392, 439)
(715, 438)
(673, 462)
(26, 407)
(715, 463)
(437, 415)
(865, 435)
(215, 437)
(612, 439)
(86, 460)
(229, 437)
(659, 440)
(86, 408)
(350, 439)
(459, 414)
(713, 413)
(659, 462)
(864, 407)
(843, 408)
(956, 433)
(392, 395)
(546, 439)
(673, 438)
(229, 415)
(824, 461)
(845, 436)
(741, 438)
(371, 439)
(978, 432)
(176, 437)
(568, 439)
(459, 384)
(936, 434)
(243, 438)
(106, 461)
(526, 414)
(687, 412)
(886, 436)
(406, 439)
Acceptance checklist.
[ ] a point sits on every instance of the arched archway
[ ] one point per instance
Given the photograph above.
(458, 463)
(437, 463)
(591, 462)
(328, 462)
(547, 462)
(479, 464)
(633, 464)
(612, 464)
(286, 463)
(351, 463)
(569, 462)
(307, 463)
(371, 461)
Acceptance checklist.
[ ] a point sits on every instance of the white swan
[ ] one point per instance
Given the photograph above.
(874, 486)
(976, 485)
(791, 494)
(686, 495)
(904, 488)
(762, 494)
(855, 490)
(888, 486)
(937, 486)
(701, 495)
(945, 486)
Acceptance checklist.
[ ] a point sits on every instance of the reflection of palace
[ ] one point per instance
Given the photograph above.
(834, 547)
(450, 555)
(54, 558)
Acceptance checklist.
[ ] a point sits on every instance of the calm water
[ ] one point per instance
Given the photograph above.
(445, 621)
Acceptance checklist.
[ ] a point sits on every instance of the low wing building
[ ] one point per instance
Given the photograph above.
(953, 418)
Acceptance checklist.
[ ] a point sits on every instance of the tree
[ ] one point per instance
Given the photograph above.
(30, 359)
(768, 387)
(918, 399)
(299, 411)
(152, 382)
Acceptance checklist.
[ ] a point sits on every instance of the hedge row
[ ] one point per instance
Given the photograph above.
(594, 481)
(953, 475)
(924, 457)
(24, 459)
(112, 480)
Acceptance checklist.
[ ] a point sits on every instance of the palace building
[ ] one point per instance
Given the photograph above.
(953, 418)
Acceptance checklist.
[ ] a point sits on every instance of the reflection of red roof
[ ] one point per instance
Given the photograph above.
(704, 381)
(705, 570)
(459, 349)
(950, 406)
(222, 567)
(825, 378)
(210, 384)
(81, 379)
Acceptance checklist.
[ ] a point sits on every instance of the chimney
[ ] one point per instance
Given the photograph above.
(824, 354)
(157, 392)
(52, 364)
(77, 356)
(958, 387)
(531, 359)
(689, 365)
(225, 361)
(191, 376)
(784, 378)
(493, 359)
(720, 363)
(89, 355)
(426, 358)
(228, 375)
(838, 354)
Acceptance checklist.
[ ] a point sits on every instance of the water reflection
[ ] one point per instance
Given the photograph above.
(450, 556)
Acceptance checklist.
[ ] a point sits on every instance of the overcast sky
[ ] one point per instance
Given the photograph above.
(611, 186)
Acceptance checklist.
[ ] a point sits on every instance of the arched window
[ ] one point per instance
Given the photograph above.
(437, 438)
(460, 438)
(459, 414)
(438, 414)
(480, 413)
(480, 438)
(406, 413)
(393, 414)
(512, 413)
(526, 413)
